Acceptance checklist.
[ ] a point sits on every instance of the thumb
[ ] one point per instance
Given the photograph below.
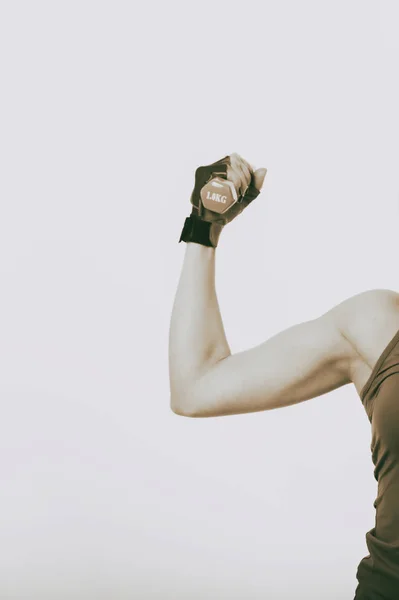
(259, 177)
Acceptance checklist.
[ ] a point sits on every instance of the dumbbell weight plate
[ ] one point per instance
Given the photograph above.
(218, 195)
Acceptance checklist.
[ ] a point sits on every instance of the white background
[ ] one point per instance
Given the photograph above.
(107, 109)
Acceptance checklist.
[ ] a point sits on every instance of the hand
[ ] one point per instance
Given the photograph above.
(247, 182)
(204, 226)
(242, 174)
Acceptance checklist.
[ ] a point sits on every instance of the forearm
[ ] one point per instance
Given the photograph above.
(196, 337)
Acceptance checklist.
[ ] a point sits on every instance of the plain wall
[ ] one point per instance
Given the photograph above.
(107, 109)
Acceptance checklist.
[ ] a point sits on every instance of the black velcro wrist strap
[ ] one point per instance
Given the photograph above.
(198, 231)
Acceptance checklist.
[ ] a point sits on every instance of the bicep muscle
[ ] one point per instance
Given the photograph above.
(304, 361)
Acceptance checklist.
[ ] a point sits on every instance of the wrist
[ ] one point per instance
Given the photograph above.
(202, 232)
(200, 249)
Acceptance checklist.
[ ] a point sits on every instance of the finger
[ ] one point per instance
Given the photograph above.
(243, 183)
(238, 158)
(242, 171)
(246, 172)
(233, 175)
(250, 168)
(259, 177)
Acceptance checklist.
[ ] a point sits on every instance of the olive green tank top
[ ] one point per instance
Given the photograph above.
(379, 571)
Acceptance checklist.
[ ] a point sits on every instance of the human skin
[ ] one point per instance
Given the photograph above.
(306, 360)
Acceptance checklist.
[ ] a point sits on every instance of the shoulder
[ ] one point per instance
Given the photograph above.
(368, 321)
(366, 309)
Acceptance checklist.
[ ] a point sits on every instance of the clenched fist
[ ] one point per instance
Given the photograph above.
(241, 173)
(204, 226)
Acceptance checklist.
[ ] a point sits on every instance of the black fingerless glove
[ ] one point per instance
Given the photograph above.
(204, 226)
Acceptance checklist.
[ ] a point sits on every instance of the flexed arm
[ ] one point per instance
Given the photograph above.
(304, 361)
(197, 338)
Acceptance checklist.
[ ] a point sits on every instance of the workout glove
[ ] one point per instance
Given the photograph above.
(204, 226)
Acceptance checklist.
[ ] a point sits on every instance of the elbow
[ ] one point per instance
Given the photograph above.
(183, 406)
(183, 412)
